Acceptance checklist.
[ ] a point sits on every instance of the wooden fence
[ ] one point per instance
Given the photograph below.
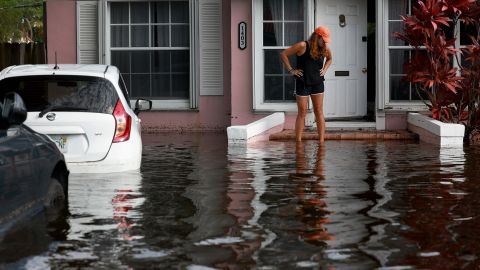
(22, 53)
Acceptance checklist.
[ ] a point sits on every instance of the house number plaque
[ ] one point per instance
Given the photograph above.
(242, 35)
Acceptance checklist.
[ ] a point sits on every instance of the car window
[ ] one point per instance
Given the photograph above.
(39, 92)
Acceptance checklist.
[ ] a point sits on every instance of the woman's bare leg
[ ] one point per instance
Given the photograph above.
(302, 103)
(317, 101)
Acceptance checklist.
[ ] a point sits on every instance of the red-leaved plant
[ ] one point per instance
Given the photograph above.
(453, 90)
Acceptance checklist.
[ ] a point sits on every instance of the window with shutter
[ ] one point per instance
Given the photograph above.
(87, 32)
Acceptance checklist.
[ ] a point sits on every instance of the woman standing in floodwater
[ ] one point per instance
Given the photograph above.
(313, 59)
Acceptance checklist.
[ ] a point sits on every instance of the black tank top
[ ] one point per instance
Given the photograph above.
(311, 67)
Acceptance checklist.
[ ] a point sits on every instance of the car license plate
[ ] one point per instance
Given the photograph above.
(61, 142)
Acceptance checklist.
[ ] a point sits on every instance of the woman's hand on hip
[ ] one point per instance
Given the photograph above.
(323, 71)
(297, 72)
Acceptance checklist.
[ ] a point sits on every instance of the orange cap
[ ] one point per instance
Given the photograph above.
(324, 33)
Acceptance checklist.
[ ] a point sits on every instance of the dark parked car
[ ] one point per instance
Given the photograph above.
(33, 173)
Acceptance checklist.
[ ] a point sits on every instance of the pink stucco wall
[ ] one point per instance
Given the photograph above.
(242, 65)
(396, 120)
(213, 114)
(242, 77)
(61, 31)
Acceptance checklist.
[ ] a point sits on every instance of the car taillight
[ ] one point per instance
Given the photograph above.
(123, 123)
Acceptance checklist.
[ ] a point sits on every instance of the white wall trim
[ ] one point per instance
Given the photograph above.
(257, 53)
(194, 51)
(250, 133)
(380, 55)
(436, 132)
(102, 31)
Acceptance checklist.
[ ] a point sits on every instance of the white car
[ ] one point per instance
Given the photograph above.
(85, 110)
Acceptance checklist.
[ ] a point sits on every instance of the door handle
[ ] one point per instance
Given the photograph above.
(364, 70)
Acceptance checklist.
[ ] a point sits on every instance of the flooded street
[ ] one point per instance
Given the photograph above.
(199, 204)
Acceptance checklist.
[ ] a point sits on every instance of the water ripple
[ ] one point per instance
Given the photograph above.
(199, 204)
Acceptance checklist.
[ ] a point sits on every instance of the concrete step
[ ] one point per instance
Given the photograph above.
(381, 135)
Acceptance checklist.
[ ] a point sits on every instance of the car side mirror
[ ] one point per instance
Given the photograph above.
(14, 111)
(142, 105)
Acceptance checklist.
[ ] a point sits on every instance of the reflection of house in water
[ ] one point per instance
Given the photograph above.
(211, 203)
(427, 206)
(380, 195)
(207, 189)
(228, 233)
(241, 193)
(346, 166)
(207, 192)
(467, 211)
(248, 183)
(237, 243)
(441, 215)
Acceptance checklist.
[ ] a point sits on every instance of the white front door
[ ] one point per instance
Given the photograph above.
(346, 80)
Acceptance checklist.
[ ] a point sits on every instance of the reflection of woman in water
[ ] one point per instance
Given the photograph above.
(311, 193)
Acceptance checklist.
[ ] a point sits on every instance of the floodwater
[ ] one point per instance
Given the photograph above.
(199, 204)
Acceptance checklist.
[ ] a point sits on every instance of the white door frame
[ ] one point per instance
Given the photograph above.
(358, 104)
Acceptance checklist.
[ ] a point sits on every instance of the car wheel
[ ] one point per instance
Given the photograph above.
(55, 198)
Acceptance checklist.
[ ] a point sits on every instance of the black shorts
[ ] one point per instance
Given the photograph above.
(306, 90)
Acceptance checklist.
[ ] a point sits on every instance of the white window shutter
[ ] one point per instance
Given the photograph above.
(87, 32)
(211, 47)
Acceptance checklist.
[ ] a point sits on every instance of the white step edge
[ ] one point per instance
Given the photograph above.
(256, 131)
(435, 132)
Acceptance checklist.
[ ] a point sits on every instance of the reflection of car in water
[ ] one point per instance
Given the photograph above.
(113, 195)
(33, 174)
(85, 110)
